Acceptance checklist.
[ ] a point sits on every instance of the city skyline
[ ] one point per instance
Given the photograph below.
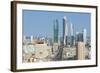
(53, 36)
(34, 22)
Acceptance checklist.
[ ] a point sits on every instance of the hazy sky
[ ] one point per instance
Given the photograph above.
(40, 23)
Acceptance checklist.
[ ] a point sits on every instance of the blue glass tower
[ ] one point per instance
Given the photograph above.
(56, 31)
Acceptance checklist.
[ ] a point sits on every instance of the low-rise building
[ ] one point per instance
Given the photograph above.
(69, 53)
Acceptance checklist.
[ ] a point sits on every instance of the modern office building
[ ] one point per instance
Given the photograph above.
(55, 39)
(68, 33)
(56, 31)
(79, 37)
(71, 28)
(65, 31)
(84, 36)
(71, 35)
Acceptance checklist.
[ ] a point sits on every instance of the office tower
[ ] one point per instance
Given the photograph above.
(72, 41)
(81, 51)
(84, 35)
(80, 37)
(56, 30)
(71, 28)
(71, 35)
(76, 37)
(65, 31)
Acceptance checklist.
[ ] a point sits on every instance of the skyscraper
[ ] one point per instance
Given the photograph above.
(65, 31)
(71, 28)
(71, 35)
(55, 39)
(56, 31)
(80, 37)
(84, 35)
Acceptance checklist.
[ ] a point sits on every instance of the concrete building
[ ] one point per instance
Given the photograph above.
(69, 53)
(55, 48)
(42, 52)
(81, 51)
(28, 52)
(26, 40)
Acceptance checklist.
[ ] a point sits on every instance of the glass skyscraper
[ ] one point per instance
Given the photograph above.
(65, 31)
(56, 31)
(68, 35)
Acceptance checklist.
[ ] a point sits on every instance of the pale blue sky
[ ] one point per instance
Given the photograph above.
(40, 23)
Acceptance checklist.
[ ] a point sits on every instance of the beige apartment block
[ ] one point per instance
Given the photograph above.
(81, 50)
